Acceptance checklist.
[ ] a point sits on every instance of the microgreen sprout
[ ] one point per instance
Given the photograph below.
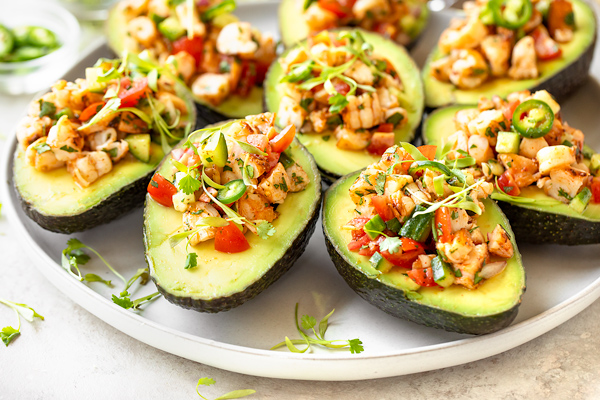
(308, 323)
(8, 333)
(236, 394)
(124, 300)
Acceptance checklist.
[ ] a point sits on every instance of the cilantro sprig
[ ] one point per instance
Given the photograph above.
(73, 256)
(8, 333)
(236, 394)
(309, 323)
(124, 298)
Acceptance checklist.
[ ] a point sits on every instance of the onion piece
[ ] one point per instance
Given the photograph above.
(492, 269)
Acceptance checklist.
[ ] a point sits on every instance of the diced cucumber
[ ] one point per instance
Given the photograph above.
(587, 151)
(418, 227)
(581, 200)
(595, 164)
(380, 263)
(374, 226)
(508, 143)
(157, 19)
(171, 28)
(442, 272)
(394, 225)
(139, 146)
(91, 76)
(286, 160)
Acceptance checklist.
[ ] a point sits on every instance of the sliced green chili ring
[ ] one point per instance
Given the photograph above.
(533, 118)
(436, 166)
(511, 14)
(232, 191)
(7, 41)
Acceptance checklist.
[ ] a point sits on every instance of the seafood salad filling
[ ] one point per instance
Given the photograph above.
(90, 125)
(202, 43)
(523, 144)
(503, 38)
(396, 20)
(420, 215)
(335, 83)
(230, 180)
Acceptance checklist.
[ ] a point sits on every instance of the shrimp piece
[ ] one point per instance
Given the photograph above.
(361, 73)
(213, 88)
(318, 119)
(159, 7)
(565, 183)
(530, 147)
(89, 167)
(116, 150)
(191, 217)
(496, 50)
(441, 68)
(65, 139)
(488, 123)
(184, 65)
(275, 186)
(130, 123)
(555, 157)
(469, 70)
(462, 118)
(100, 139)
(183, 13)
(457, 251)
(291, 113)
(30, 129)
(386, 99)
(361, 8)
(299, 179)
(463, 35)
(44, 161)
(318, 18)
(348, 139)
(524, 170)
(460, 220)
(524, 60)
(295, 56)
(499, 243)
(471, 265)
(479, 148)
(135, 7)
(363, 111)
(237, 38)
(254, 206)
(174, 104)
(332, 56)
(143, 30)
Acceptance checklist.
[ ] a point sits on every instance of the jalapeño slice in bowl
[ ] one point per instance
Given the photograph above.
(533, 118)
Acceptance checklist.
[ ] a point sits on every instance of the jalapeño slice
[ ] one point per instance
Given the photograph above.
(232, 191)
(533, 118)
(511, 14)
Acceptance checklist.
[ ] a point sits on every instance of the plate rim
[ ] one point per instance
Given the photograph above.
(268, 363)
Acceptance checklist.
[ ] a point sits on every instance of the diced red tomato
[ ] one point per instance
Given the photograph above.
(509, 109)
(261, 72)
(596, 190)
(423, 277)
(385, 128)
(282, 141)
(560, 16)
(508, 185)
(386, 29)
(247, 78)
(545, 47)
(404, 259)
(341, 8)
(380, 142)
(428, 151)
(161, 190)
(258, 140)
(382, 206)
(230, 239)
(272, 157)
(130, 97)
(341, 87)
(90, 111)
(194, 47)
(411, 245)
(443, 224)
(359, 241)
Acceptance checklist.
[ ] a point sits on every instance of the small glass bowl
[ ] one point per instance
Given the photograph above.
(88, 10)
(37, 74)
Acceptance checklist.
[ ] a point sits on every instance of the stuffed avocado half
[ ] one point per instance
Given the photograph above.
(447, 268)
(545, 185)
(350, 93)
(222, 60)
(402, 22)
(552, 49)
(239, 213)
(88, 148)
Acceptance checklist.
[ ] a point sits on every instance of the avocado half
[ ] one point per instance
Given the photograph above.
(294, 29)
(56, 203)
(560, 77)
(233, 107)
(489, 308)
(546, 220)
(223, 281)
(332, 161)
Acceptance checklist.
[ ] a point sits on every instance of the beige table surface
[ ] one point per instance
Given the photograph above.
(74, 355)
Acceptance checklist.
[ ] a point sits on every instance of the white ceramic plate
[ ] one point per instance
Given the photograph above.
(561, 282)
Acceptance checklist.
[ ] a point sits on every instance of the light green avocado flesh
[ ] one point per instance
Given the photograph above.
(439, 93)
(219, 275)
(293, 27)
(233, 107)
(496, 295)
(322, 146)
(439, 125)
(55, 193)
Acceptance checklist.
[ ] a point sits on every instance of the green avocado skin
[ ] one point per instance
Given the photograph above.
(114, 206)
(540, 227)
(395, 302)
(277, 270)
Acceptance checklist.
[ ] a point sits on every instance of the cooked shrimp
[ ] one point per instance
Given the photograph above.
(363, 111)
(65, 139)
(213, 88)
(463, 35)
(497, 50)
(253, 206)
(565, 183)
(361, 8)
(524, 60)
(299, 179)
(30, 129)
(237, 38)
(318, 18)
(348, 139)
(472, 265)
(469, 69)
(43, 161)
(191, 218)
(143, 30)
(361, 73)
(89, 167)
(499, 243)
(101, 138)
(457, 251)
(523, 170)
(275, 185)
